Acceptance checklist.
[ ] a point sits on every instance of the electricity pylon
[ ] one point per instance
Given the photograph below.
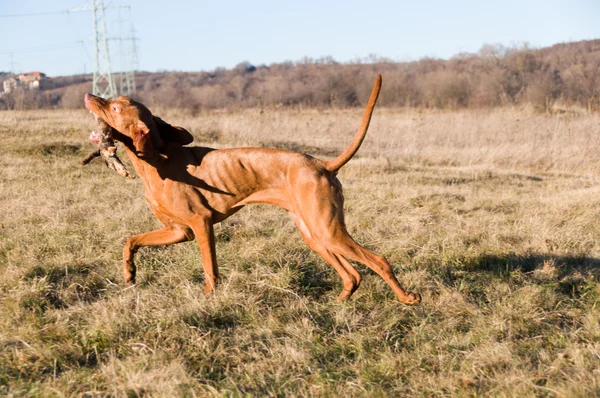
(127, 84)
(104, 84)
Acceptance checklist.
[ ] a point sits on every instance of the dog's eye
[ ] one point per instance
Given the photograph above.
(115, 108)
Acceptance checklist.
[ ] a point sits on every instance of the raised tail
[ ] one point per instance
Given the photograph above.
(334, 165)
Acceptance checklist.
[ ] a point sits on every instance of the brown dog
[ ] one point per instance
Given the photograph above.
(192, 188)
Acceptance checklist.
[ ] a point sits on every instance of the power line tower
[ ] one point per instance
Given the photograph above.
(103, 84)
(128, 64)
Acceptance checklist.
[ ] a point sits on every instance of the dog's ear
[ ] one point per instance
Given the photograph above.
(140, 134)
(170, 133)
(146, 139)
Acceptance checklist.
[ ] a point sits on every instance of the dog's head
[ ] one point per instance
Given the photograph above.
(133, 120)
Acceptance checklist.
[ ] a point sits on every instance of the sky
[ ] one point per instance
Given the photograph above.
(176, 35)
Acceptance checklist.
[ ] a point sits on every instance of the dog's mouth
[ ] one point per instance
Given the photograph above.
(96, 107)
(91, 102)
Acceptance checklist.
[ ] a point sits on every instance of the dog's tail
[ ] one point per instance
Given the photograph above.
(334, 165)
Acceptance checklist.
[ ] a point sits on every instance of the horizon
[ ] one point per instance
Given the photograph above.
(268, 32)
(323, 59)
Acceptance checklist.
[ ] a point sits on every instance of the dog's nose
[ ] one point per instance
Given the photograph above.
(87, 97)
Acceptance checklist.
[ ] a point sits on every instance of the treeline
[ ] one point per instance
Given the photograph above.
(567, 74)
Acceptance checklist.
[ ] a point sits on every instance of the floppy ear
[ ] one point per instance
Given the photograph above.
(170, 133)
(142, 137)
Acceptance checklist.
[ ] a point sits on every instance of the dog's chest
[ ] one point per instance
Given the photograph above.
(177, 201)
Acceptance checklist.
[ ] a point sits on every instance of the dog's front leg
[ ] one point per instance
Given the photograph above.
(205, 234)
(166, 236)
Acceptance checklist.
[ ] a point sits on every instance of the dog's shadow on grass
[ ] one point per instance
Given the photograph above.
(63, 286)
(311, 282)
(568, 274)
(531, 261)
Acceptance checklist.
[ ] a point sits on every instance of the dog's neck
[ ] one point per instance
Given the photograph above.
(141, 160)
(152, 150)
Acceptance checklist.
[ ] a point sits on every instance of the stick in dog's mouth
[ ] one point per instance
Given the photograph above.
(107, 150)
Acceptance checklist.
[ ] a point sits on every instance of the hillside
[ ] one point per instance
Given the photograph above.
(567, 73)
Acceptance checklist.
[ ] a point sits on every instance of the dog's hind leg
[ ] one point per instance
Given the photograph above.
(348, 248)
(322, 219)
(350, 276)
(353, 271)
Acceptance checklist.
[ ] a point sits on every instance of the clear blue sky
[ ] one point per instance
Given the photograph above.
(202, 35)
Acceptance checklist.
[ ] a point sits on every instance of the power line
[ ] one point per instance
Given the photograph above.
(33, 14)
(78, 35)
(41, 48)
(53, 47)
(49, 47)
(103, 81)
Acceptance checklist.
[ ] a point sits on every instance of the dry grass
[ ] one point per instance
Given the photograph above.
(493, 217)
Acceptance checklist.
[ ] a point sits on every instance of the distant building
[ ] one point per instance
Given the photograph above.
(31, 81)
(10, 85)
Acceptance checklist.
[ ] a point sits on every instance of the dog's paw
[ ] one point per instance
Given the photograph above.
(412, 298)
(344, 296)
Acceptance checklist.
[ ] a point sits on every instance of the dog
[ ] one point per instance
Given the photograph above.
(192, 188)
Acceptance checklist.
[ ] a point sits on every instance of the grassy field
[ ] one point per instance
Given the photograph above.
(492, 216)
